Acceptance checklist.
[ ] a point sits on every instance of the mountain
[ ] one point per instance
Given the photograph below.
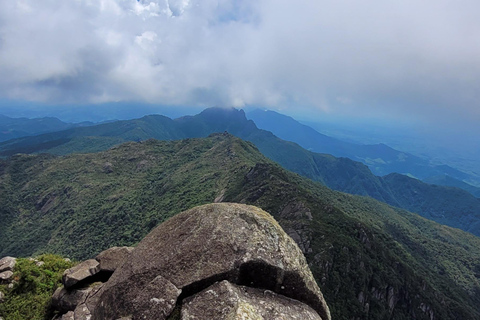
(342, 174)
(11, 128)
(372, 261)
(380, 158)
(446, 180)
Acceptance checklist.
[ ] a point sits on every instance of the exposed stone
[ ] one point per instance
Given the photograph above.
(191, 251)
(85, 310)
(224, 300)
(5, 276)
(2, 297)
(68, 316)
(65, 300)
(112, 258)
(7, 264)
(80, 272)
(157, 300)
(82, 312)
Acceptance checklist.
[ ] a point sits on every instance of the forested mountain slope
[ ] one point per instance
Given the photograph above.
(372, 261)
(343, 174)
(11, 128)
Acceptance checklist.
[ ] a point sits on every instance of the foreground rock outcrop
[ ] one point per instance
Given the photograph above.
(6, 269)
(217, 261)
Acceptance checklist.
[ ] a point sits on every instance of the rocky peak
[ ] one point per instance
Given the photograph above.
(217, 261)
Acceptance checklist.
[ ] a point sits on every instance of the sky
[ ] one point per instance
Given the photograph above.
(399, 60)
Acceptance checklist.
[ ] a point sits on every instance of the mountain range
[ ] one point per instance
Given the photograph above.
(11, 128)
(371, 260)
(380, 158)
(447, 205)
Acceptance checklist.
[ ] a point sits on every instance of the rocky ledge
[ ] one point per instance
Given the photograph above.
(217, 261)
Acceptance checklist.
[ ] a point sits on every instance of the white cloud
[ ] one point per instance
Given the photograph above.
(346, 56)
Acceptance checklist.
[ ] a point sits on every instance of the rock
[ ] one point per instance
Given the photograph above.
(7, 264)
(5, 276)
(64, 300)
(68, 316)
(157, 300)
(85, 309)
(227, 301)
(112, 258)
(80, 272)
(2, 297)
(191, 251)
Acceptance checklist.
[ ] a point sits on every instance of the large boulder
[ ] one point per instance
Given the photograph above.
(7, 264)
(112, 258)
(64, 300)
(226, 301)
(6, 277)
(81, 272)
(6, 269)
(191, 251)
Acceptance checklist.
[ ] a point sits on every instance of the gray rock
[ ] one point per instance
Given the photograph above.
(7, 264)
(2, 297)
(85, 309)
(68, 316)
(5, 276)
(191, 251)
(157, 300)
(64, 300)
(112, 258)
(142, 300)
(226, 301)
(82, 312)
(80, 272)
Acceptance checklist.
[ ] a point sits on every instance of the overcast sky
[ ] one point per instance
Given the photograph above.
(402, 59)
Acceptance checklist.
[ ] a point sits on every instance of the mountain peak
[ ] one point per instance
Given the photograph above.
(227, 112)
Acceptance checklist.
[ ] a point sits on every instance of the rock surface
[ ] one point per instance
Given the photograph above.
(226, 301)
(68, 316)
(191, 251)
(217, 261)
(112, 258)
(5, 277)
(80, 272)
(6, 269)
(7, 264)
(64, 300)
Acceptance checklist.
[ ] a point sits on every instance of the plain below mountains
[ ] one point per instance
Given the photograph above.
(372, 261)
(446, 205)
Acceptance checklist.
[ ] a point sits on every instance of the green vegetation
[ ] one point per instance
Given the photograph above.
(458, 208)
(35, 280)
(372, 261)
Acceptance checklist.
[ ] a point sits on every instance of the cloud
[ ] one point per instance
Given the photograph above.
(400, 58)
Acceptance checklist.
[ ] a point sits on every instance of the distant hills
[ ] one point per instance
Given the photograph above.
(446, 180)
(11, 128)
(447, 205)
(380, 158)
(372, 261)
